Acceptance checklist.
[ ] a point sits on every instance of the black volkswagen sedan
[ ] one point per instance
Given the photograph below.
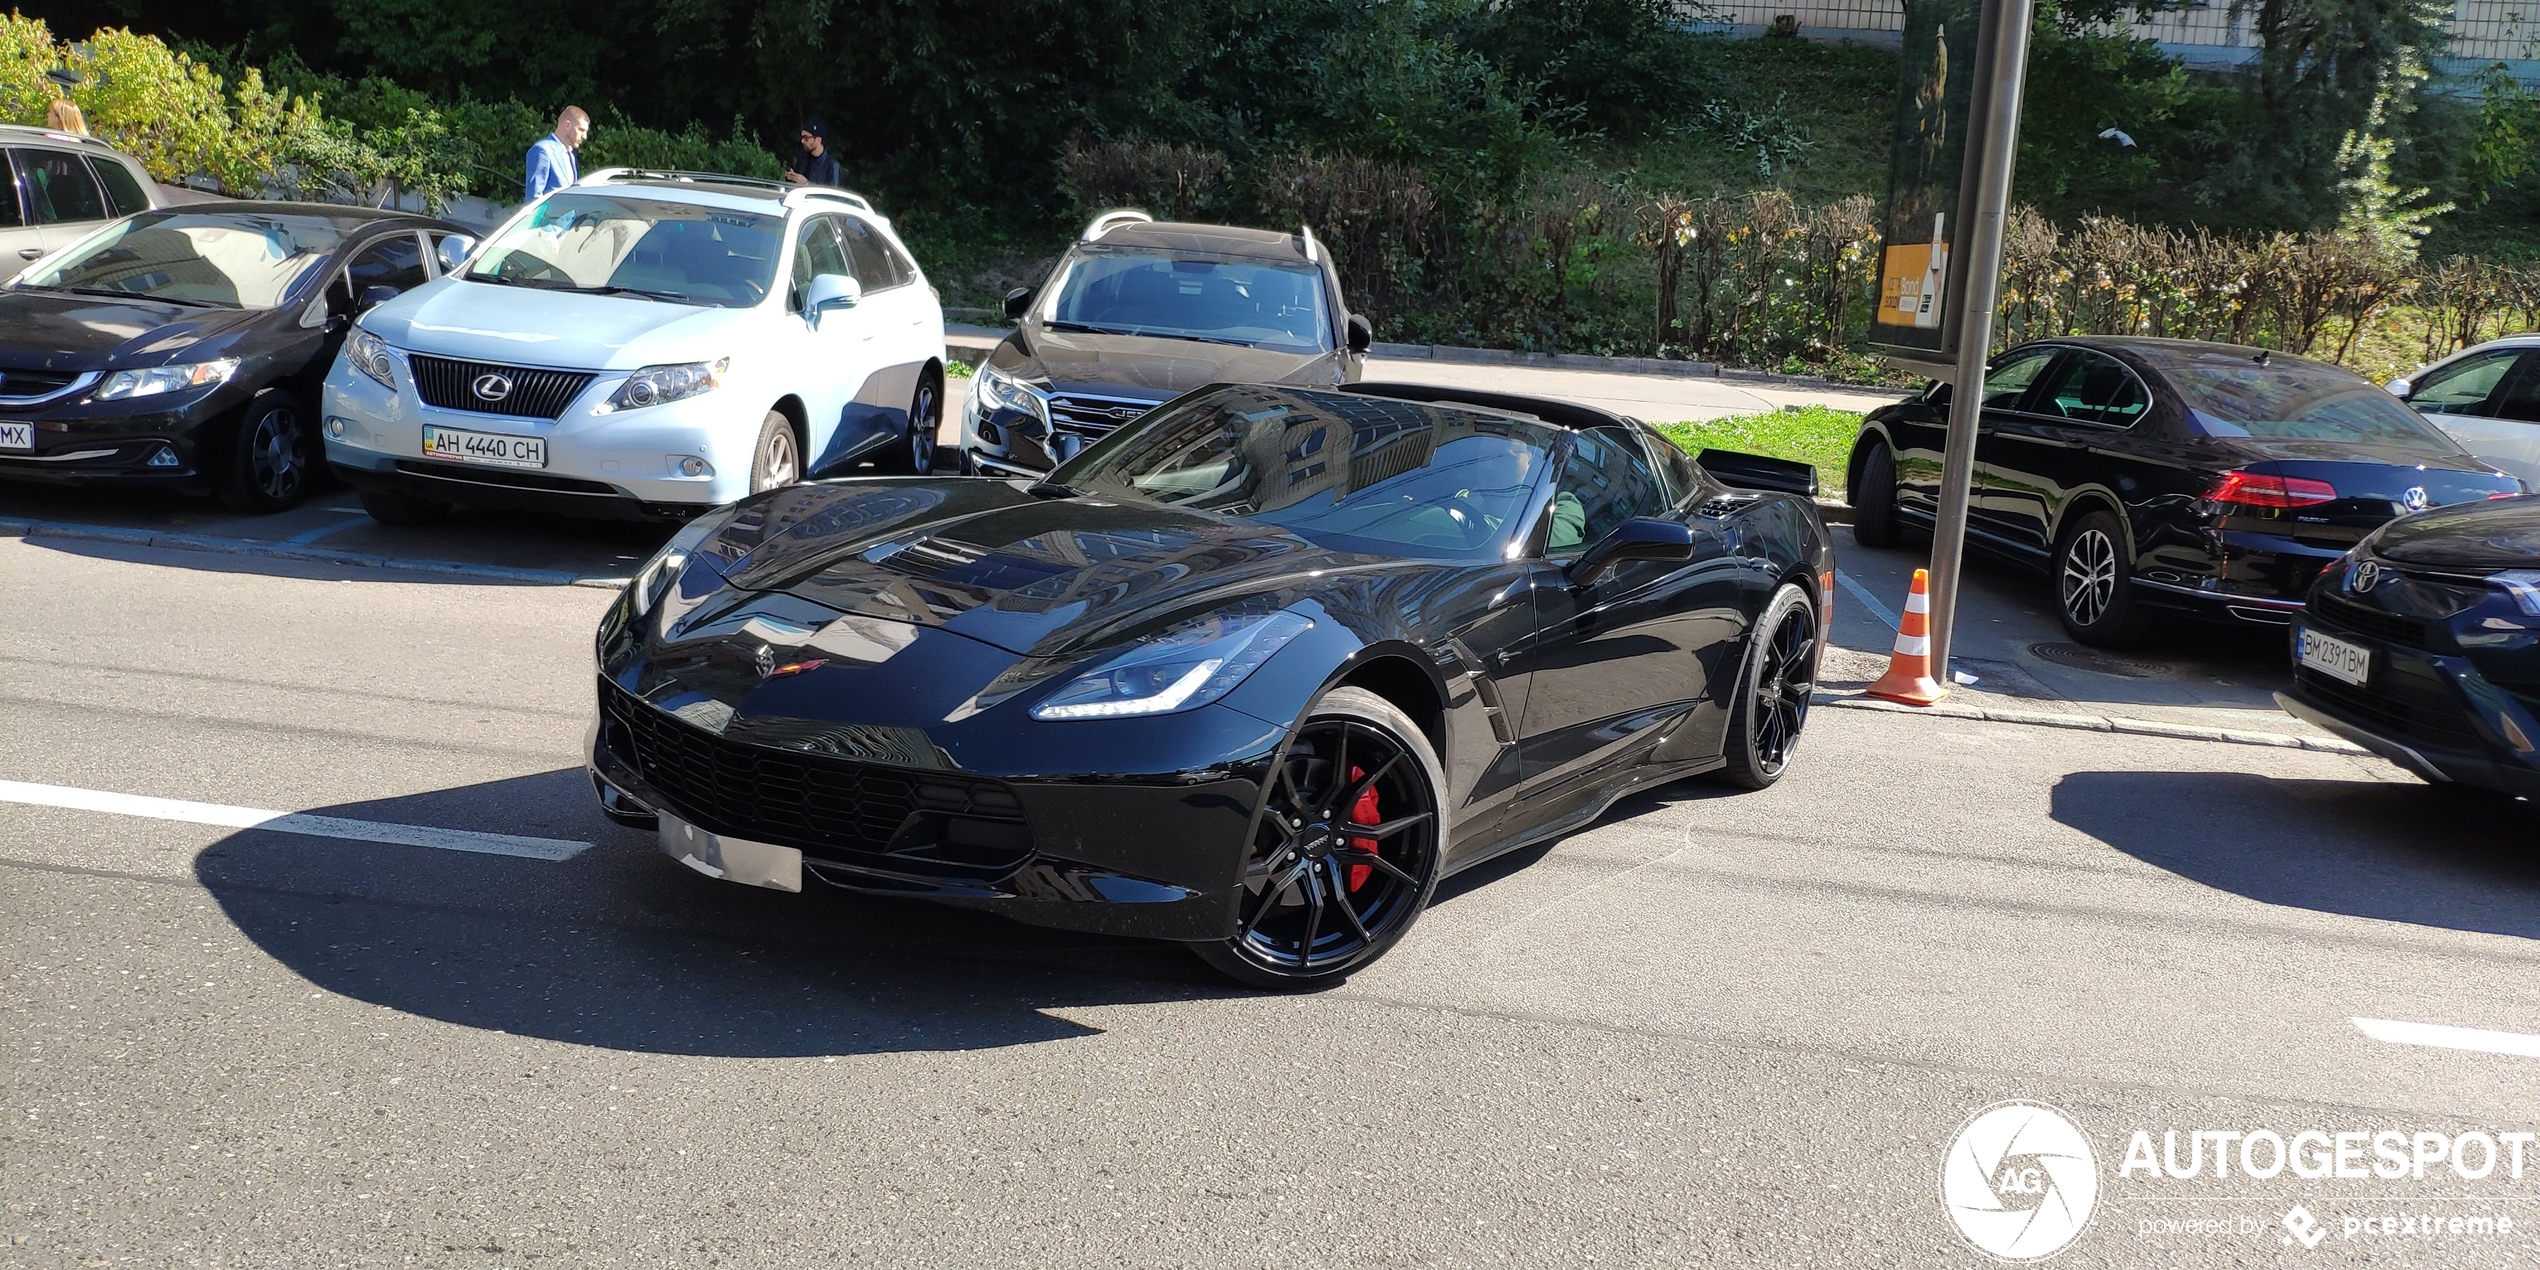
(2166, 475)
(2423, 645)
(1253, 673)
(183, 347)
(1137, 312)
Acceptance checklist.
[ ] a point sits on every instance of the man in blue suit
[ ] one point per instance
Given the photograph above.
(551, 162)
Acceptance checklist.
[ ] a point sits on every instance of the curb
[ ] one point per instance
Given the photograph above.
(14, 527)
(2101, 723)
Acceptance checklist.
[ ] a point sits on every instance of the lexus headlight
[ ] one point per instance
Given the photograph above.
(369, 354)
(1180, 668)
(995, 390)
(166, 379)
(654, 385)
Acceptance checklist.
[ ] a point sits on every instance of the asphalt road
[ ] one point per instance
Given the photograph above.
(1715, 1028)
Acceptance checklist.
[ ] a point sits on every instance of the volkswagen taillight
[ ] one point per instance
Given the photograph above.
(2259, 489)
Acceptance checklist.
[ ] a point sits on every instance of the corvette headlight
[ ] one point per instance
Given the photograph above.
(994, 390)
(654, 385)
(1181, 668)
(369, 354)
(125, 384)
(654, 580)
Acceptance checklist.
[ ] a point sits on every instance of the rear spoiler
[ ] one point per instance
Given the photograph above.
(1754, 471)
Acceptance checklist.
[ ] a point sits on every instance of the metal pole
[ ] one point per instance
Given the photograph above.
(1993, 139)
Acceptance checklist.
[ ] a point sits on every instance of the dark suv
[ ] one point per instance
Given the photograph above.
(1139, 312)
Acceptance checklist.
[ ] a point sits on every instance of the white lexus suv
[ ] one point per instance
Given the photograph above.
(643, 344)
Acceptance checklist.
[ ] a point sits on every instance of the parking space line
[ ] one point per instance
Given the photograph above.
(1868, 601)
(307, 536)
(2440, 1036)
(548, 849)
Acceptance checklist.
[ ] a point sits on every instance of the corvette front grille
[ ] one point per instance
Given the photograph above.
(911, 822)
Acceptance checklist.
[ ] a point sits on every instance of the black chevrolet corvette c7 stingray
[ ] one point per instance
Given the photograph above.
(1252, 673)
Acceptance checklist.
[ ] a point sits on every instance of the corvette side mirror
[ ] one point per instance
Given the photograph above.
(1362, 336)
(831, 291)
(1017, 302)
(1641, 538)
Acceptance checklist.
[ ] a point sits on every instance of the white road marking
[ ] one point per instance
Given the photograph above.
(549, 849)
(1868, 601)
(2441, 1036)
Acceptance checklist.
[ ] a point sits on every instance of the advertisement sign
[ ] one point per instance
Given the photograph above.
(1926, 155)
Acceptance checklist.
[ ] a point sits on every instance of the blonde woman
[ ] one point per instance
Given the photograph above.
(63, 115)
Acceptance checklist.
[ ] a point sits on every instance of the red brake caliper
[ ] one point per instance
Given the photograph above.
(1364, 813)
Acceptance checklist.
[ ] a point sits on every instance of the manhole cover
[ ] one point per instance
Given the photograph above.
(2090, 659)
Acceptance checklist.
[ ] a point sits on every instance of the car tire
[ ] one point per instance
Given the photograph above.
(1355, 762)
(391, 508)
(777, 459)
(1775, 685)
(270, 462)
(1873, 497)
(2094, 583)
(915, 452)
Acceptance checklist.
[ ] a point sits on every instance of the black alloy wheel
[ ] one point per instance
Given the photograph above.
(1873, 497)
(270, 464)
(1346, 849)
(1774, 693)
(777, 460)
(916, 451)
(2094, 584)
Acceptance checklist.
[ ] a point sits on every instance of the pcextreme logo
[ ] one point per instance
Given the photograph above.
(2019, 1181)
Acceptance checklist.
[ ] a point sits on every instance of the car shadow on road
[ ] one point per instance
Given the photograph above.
(2427, 855)
(621, 947)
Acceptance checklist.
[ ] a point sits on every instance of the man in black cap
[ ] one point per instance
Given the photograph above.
(815, 165)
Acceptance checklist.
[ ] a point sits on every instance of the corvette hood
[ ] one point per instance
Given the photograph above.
(481, 321)
(2504, 534)
(1147, 366)
(984, 559)
(63, 332)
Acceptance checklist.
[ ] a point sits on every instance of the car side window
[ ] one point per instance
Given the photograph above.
(58, 187)
(10, 215)
(1606, 482)
(395, 261)
(872, 260)
(2519, 398)
(2095, 388)
(1677, 475)
(2466, 387)
(123, 192)
(2008, 380)
(816, 251)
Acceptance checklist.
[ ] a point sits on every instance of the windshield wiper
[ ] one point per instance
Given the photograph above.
(1052, 489)
(1145, 333)
(113, 293)
(672, 296)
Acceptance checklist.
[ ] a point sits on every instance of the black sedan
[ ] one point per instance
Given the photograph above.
(183, 348)
(2144, 475)
(2423, 645)
(1253, 673)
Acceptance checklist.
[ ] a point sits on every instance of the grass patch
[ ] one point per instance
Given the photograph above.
(1820, 435)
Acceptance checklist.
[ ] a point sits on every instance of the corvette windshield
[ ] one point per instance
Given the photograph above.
(615, 244)
(1129, 291)
(225, 260)
(1349, 472)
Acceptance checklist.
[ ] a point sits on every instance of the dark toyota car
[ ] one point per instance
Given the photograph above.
(183, 347)
(2423, 645)
(1252, 674)
(1138, 312)
(2173, 476)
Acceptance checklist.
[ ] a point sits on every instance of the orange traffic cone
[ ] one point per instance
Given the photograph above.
(1908, 678)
